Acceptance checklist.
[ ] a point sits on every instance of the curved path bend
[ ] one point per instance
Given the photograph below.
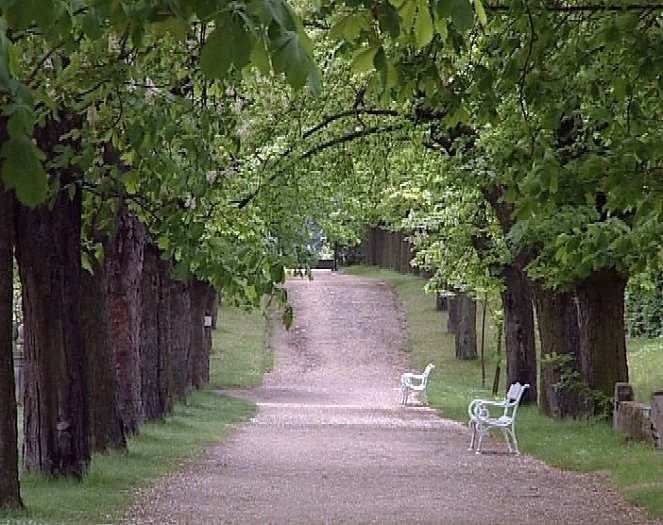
(331, 444)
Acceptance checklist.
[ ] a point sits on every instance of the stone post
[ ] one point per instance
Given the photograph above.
(657, 417)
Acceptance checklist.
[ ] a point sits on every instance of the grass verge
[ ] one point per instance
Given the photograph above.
(587, 446)
(161, 447)
(242, 349)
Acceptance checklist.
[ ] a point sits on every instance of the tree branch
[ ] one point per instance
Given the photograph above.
(349, 113)
(349, 137)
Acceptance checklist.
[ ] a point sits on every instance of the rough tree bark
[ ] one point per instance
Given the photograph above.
(10, 495)
(106, 425)
(56, 396)
(370, 257)
(201, 339)
(48, 252)
(519, 341)
(124, 260)
(561, 394)
(180, 338)
(154, 336)
(164, 320)
(519, 331)
(602, 335)
(453, 304)
(214, 308)
(466, 330)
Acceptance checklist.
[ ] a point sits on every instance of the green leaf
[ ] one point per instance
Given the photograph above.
(231, 43)
(290, 57)
(44, 13)
(215, 60)
(132, 182)
(85, 262)
(163, 243)
(363, 60)
(481, 12)
(22, 120)
(407, 12)
(287, 316)
(277, 273)
(274, 10)
(175, 26)
(460, 12)
(423, 28)
(260, 58)
(388, 19)
(23, 171)
(20, 15)
(92, 25)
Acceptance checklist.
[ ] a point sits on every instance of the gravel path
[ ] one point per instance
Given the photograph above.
(331, 445)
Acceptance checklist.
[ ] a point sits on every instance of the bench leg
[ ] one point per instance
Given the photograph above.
(473, 426)
(482, 431)
(515, 441)
(405, 393)
(507, 439)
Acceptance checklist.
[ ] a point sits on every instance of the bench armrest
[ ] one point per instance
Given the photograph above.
(478, 409)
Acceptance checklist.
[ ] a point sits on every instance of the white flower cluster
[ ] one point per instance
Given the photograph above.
(190, 202)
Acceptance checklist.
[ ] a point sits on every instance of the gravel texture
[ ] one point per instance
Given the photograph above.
(332, 445)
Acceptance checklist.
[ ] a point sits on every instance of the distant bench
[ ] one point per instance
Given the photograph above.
(326, 264)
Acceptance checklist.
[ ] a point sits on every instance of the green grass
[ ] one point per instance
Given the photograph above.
(242, 349)
(645, 361)
(587, 446)
(160, 448)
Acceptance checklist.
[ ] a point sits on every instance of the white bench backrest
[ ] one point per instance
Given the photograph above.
(513, 397)
(427, 371)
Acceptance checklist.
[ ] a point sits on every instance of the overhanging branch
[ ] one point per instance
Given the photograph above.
(349, 137)
(349, 113)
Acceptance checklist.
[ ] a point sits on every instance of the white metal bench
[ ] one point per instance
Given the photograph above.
(481, 420)
(411, 382)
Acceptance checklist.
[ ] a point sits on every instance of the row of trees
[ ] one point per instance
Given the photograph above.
(128, 202)
(516, 145)
(535, 171)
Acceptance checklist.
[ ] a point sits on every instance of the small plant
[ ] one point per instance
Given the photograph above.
(570, 383)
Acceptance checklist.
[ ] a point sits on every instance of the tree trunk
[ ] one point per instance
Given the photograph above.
(56, 424)
(563, 392)
(602, 335)
(106, 426)
(154, 335)
(453, 304)
(370, 257)
(214, 308)
(180, 338)
(466, 330)
(406, 255)
(124, 261)
(10, 495)
(164, 319)
(202, 294)
(519, 331)
(199, 355)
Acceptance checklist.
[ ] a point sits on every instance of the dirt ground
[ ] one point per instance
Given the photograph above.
(332, 445)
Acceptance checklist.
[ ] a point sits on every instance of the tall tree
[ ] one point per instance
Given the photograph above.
(9, 484)
(124, 262)
(48, 248)
(106, 424)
